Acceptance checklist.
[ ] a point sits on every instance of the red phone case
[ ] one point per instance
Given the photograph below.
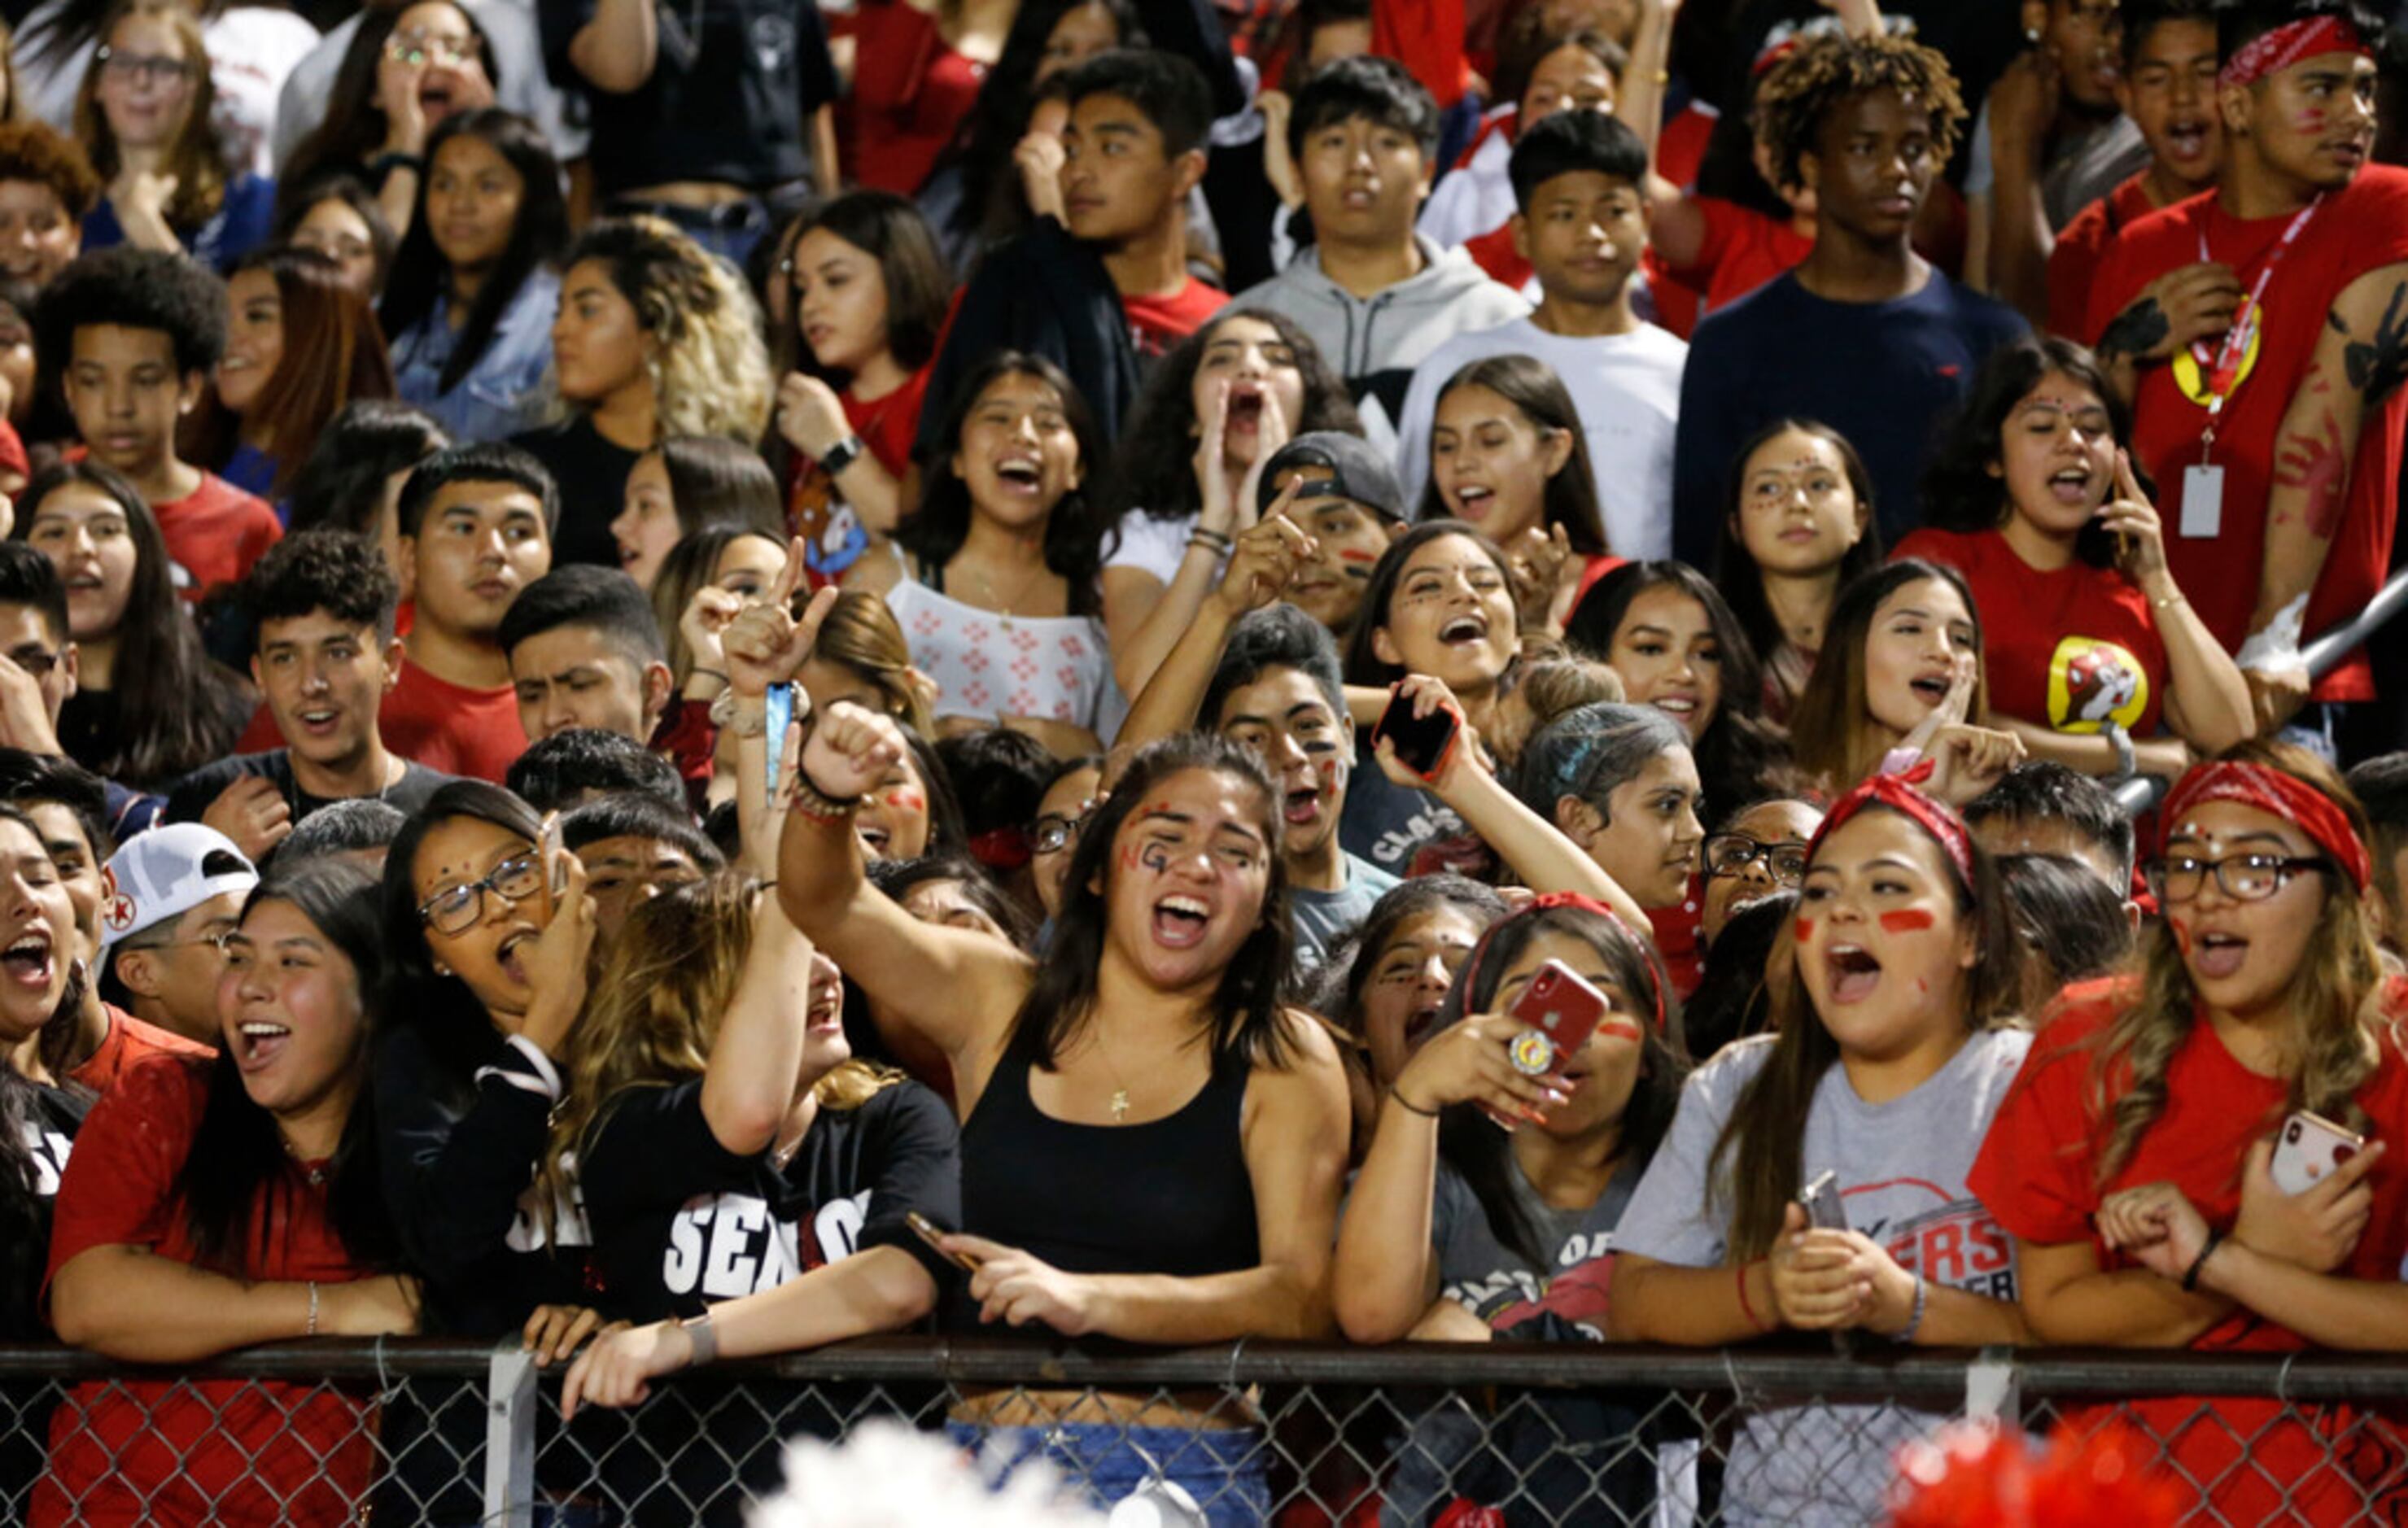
(1560, 1005)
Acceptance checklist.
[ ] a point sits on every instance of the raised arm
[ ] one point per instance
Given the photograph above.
(2207, 700)
(616, 50)
(1266, 557)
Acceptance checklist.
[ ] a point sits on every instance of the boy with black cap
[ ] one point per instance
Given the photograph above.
(1348, 502)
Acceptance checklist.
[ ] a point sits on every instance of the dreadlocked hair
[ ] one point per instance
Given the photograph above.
(2330, 1051)
(1794, 98)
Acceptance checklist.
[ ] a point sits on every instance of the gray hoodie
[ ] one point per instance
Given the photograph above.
(1375, 342)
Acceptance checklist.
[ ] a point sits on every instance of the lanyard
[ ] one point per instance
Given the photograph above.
(2225, 371)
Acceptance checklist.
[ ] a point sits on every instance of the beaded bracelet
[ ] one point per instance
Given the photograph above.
(1915, 1320)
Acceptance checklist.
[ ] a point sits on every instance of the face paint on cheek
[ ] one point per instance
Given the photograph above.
(906, 801)
(2181, 933)
(1356, 557)
(1906, 921)
(1155, 856)
(1620, 1029)
(1804, 930)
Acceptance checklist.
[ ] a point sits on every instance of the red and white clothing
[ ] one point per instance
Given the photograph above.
(216, 532)
(1743, 250)
(2082, 248)
(815, 506)
(129, 1043)
(2361, 228)
(1478, 196)
(2039, 1175)
(1057, 668)
(220, 1452)
(2070, 649)
(1156, 324)
(451, 728)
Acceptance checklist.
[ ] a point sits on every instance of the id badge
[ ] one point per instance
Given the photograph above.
(2203, 504)
(779, 710)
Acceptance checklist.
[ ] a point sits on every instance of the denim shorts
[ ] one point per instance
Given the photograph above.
(1219, 1472)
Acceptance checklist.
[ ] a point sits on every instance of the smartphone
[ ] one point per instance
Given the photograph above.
(1422, 742)
(549, 854)
(2311, 1146)
(928, 1231)
(1562, 1006)
(778, 713)
(1824, 1211)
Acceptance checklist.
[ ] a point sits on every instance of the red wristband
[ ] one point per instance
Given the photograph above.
(1745, 1307)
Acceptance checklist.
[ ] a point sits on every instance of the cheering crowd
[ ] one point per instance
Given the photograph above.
(682, 679)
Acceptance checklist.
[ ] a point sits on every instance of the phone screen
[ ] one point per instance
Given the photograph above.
(1421, 741)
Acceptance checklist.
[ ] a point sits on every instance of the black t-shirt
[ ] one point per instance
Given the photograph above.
(47, 1119)
(730, 93)
(593, 478)
(680, 1221)
(192, 795)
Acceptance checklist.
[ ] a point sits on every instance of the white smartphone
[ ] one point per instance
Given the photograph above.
(1824, 1211)
(2310, 1148)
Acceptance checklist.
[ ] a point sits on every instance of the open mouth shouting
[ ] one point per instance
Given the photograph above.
(1181, 922)
(259, 1043)
(1419, 1024)
(1474, 501)
(30, 961)
(2187, 141)
(1463, 631)
(873, 837)
(2072, 486)
(2216, 955)
(1932, 689)
(1245, 407)
(509, 953)
(1852, 971)
(1020, 473)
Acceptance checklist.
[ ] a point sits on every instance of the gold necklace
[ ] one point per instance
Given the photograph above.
(1004, 606)
(1119, 1094)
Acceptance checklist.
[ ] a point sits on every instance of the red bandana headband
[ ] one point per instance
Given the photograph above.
(1564, 899)
(1899, 793)
(2278, 49)
(2295, 801)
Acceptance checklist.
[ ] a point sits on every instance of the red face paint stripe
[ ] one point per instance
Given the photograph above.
(1620, 1029)
(1804, 929)
(1906, 921)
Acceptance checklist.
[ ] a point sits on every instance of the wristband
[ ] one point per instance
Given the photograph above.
(2190, 1275)
(384, 164)
(1745, 1307)
(1215, 542)
(704, 1338)
(1915, 1320)
(817, 804)
(1408, 1105)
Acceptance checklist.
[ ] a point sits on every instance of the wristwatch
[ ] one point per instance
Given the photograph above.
(842, 455)
(704, 1337)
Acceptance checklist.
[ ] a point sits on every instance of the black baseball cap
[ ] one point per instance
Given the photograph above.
(1337, 466)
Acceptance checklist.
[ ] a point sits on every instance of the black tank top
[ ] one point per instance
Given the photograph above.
(1172, 1196)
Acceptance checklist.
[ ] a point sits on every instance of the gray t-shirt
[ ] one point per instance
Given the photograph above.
(1324, 918)
(1902, 1168)
(2081, 166)
(1505, 1289)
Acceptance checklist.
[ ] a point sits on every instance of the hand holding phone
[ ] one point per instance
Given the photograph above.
(1423, 743)
(1559, 1011)
(931, 1232)
(1821, 1199)
(2310, 1150)
(548, 854)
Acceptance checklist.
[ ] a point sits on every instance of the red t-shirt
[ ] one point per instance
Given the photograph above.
(2067, 649)
(156, 1450)
(911, 93)
(216, 532)
(2039, 1175)
(2081, 246)
(1675, 933)
(2354, 231)
(12, 452)
(1743, 250)
(816, 511)
(129, 1043)
(1157, 323)
(451, 729)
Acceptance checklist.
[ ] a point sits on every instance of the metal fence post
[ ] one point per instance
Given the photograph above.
(509, 1437)
(1991, 1392)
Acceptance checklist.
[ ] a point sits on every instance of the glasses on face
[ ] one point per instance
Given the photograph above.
(1731, 854)
(455, 909)
(1055, 832)
(444, 52)
(155, 69)
(2245, 878)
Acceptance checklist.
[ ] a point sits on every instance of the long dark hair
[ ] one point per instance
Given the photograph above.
(1073, 534)
(237, 1179)
(354, 127)
(1481, 1152)
(1531, 386)
(1737, 573)
(1963, 488)
(456, 1026)
(1246, 1017)
(1146, 474)
(1827, 725)
(1363, 666)
(334, 353)
(341, 482)
(1758, 1164)
(24, 1241)
(1337, 990)
(890, 229)
(538, 235)
(1743, 753)
(174, 707)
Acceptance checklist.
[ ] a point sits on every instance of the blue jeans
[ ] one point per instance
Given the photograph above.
(1220, 1470)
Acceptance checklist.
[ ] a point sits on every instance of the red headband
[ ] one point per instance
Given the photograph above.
(1899, 793)
(1564, 899)
(2277, 50)
(2295, 801)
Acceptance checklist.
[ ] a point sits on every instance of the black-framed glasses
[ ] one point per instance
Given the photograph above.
(2245, 878)
(1731, 854)
(455, 909)
(1055, 832)
(147, 68)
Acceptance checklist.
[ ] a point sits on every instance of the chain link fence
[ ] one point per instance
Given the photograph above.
(1305, 1436)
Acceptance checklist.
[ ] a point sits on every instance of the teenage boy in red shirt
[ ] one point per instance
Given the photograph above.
(476, 528)
(2272, 428)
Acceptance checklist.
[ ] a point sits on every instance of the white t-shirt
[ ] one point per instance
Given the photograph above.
(251, 49)
(1628, 389)
(1149, 544)
(1903, 1167)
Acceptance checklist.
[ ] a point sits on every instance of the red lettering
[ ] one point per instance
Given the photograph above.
(1992, 1253)
(1941, 1257)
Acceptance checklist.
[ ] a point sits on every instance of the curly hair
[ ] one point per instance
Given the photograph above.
(708, 368)
(195, 158)
(1144, 475)
(37, 152)
(323, 569)
(2327, 1049)
(1793, 100)
(128, 288)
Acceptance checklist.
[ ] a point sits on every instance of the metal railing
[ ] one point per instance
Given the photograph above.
(435, 1432)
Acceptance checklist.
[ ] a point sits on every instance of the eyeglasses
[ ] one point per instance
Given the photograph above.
(455, 909)
(147, 68)
(2245, 878)
(1731, 854)
(446, 52)
(1055, 831)
(215, 941)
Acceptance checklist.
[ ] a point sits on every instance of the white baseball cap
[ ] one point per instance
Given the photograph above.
(168, 872)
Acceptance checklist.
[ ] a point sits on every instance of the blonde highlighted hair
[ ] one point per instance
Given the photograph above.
(709, 367)
(2326, 1047)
